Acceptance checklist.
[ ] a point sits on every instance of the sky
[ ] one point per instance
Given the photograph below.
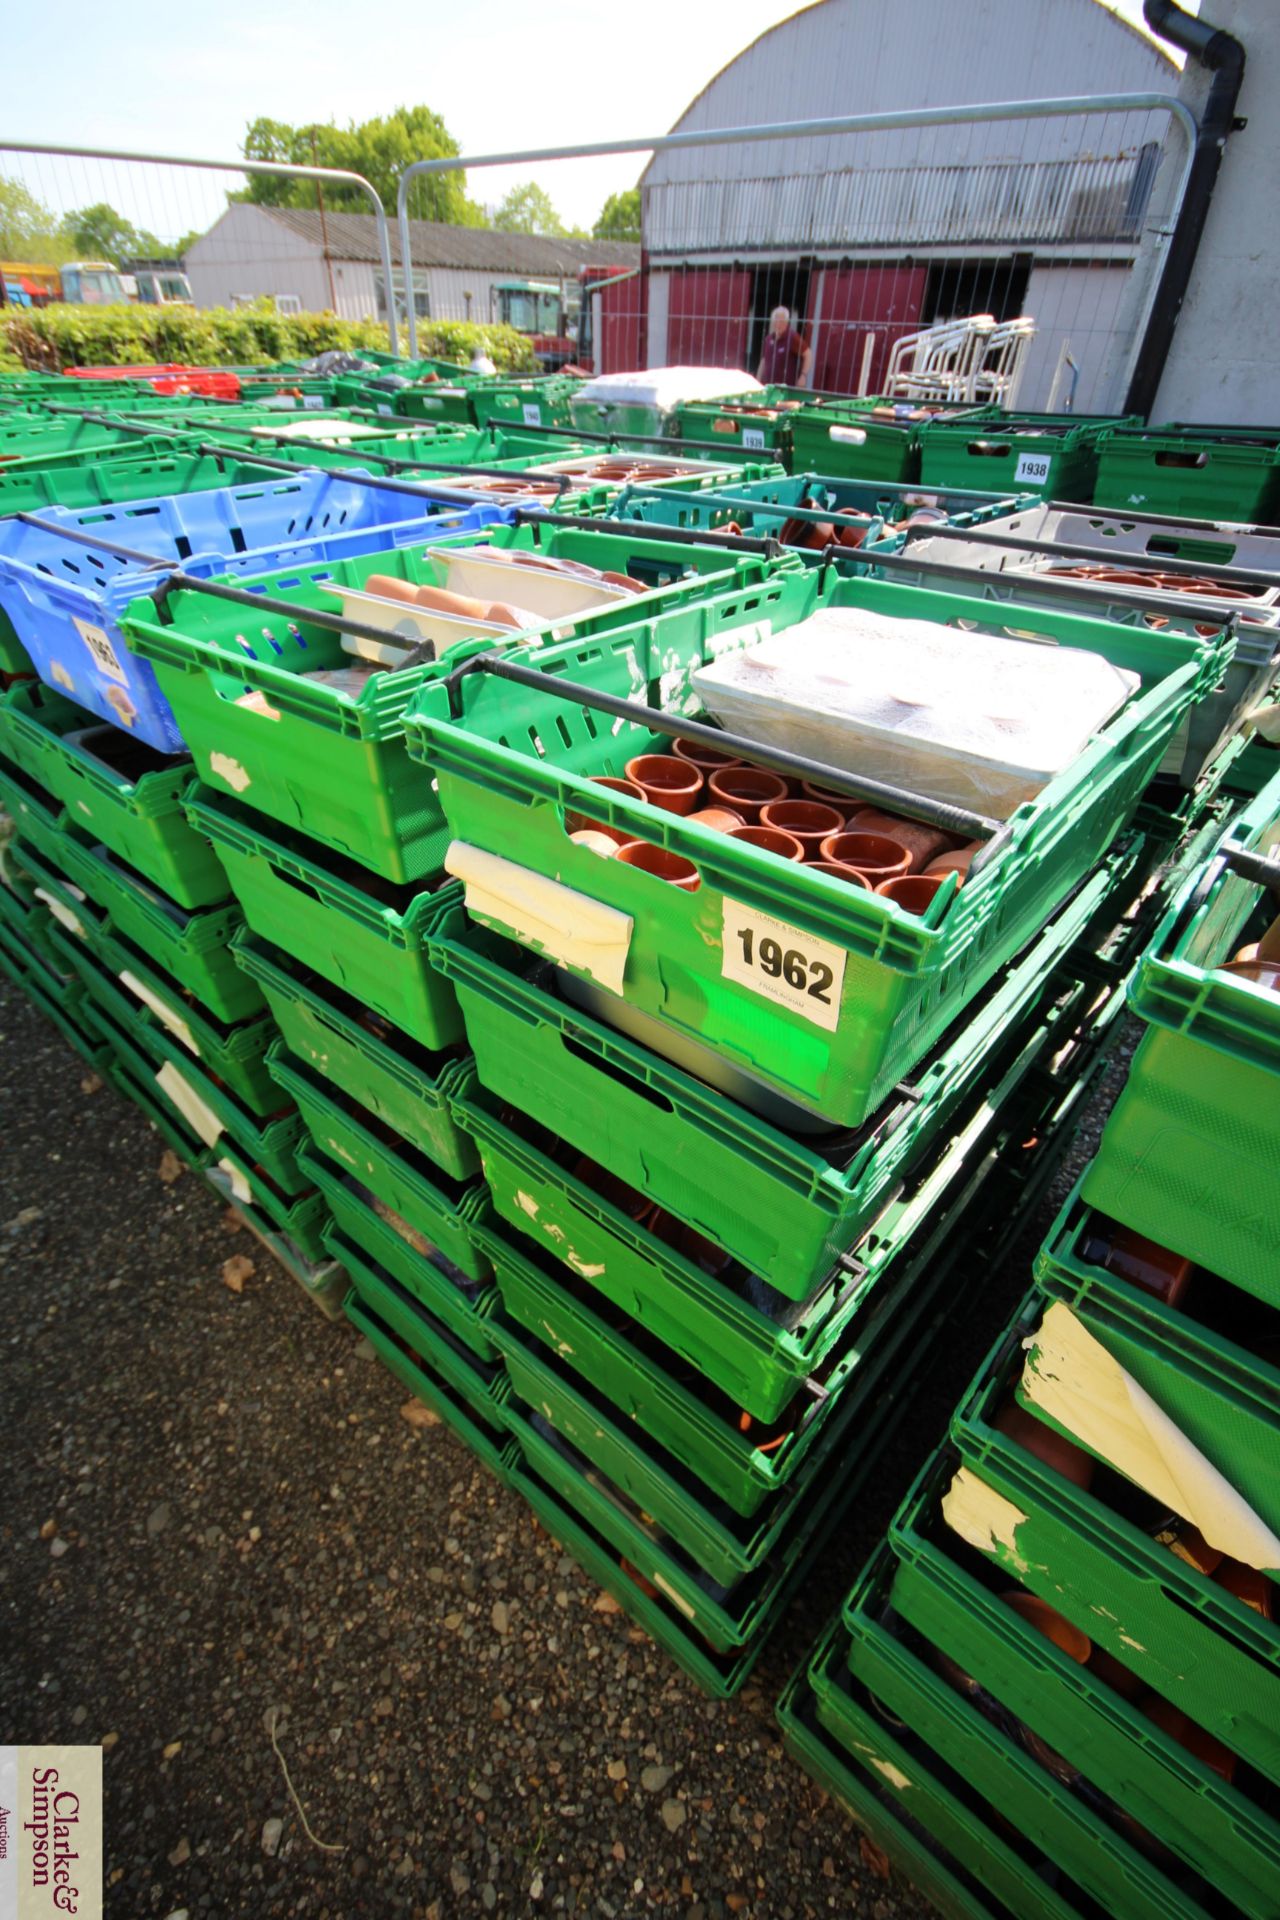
(182, 80)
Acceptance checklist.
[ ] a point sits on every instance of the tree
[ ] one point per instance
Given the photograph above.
(528, 209)
(379, 149)
(100, 233)
(28, 230)
(619, 217)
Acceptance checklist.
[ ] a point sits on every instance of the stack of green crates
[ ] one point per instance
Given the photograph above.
(1056, 1687)
(137, 920)
(333, 842)
(436, 391)
(721, 1215)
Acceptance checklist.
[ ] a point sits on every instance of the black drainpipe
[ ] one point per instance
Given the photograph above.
(1224, 56)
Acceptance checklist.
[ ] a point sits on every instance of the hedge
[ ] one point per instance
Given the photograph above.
(46, 339)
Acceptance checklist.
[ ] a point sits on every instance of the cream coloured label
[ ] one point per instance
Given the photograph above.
(795, 970)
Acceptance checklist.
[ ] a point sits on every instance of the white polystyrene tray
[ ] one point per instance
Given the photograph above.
(974, 719)
(554, 595)
(666, 387)
(410, 622)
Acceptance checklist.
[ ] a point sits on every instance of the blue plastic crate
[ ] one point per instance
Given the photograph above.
(67, 573)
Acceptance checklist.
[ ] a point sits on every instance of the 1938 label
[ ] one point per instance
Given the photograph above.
(1032, 469)
(783, 964)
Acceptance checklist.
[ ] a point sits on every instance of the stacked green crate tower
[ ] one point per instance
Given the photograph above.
(1057, 1685)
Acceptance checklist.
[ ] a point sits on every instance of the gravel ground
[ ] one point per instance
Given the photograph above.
(219, 1526)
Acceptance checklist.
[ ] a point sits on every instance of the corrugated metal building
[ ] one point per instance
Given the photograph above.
(869, 236)
(314, 265)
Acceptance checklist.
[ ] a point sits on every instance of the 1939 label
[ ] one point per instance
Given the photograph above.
(781, 963)
(753, 437)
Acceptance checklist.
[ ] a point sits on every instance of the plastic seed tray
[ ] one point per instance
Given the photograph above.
(395, 1079)
(464, 1305)
(859, 989)
(116, 789)
(334, 763)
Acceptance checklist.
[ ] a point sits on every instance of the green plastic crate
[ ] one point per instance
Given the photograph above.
(1189, 1155)
(464, 1305)
(879, 985)
(1217, 1829)
(60, 1004)
(1184, 1635)
(95, 896)
(116, 789)
(1204, 472)
(1054, 455)
(268, 1145)
(431, 1203)
(867, 439)
(119, 978)
(856, 1784)
(1103, 1863)
(887, 1781)
(399, 1082)
(573, 1396)
(783, 1205)
(751, 422)
(489, 1443)
(763, 507)
(39, 818)
(156, 1112)
(1222, 1398)
(335, 764)
(301, 1218)
(482, 1384)
(367, 937)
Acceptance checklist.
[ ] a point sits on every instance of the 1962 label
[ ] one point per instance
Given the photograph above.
(1032, 469)
(783, 964)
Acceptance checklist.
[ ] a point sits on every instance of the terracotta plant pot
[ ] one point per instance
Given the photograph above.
(746, 789)
(770, 840)
(843, 803)
(873, 855)
(1251, 1588)
(956, 860)
(913, 891)
(1262, 973)
(808, 820)
(706, 759)
(1112, 1674)
(1143, 1264)
(665, 781)
(1047, 1620)
(719, 819)
(837, 872)
(605, 841)
(576, 823)
(1046, 1444)
(922, 843)
(1186, 1733)
(1189, 1544)
(628, 1200)
(662, 864)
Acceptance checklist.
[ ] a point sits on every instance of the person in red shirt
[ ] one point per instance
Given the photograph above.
(785, 358)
